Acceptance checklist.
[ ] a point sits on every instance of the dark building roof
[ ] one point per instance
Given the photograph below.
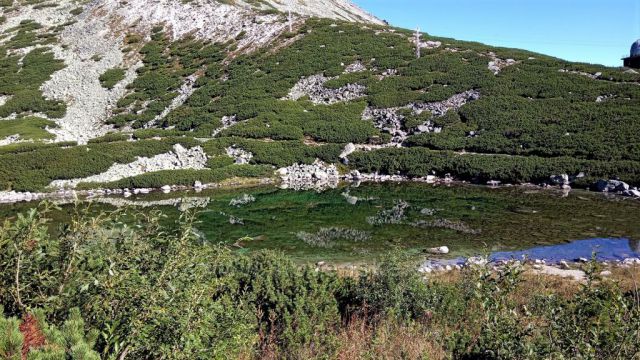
(635, 49)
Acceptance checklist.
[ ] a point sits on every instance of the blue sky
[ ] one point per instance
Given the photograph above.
(578, 30)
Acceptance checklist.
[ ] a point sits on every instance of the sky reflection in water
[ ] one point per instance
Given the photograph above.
(605, 249)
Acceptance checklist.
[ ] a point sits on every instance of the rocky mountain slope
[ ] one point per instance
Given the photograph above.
(102, 93)
(90, 39)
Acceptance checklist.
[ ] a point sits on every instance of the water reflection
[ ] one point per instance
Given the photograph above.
(604, 250)
(410, 216)
(635, 245)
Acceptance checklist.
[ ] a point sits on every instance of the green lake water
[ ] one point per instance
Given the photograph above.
(354, 224)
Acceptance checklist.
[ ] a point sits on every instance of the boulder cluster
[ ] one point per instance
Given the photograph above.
(239, 155)
(429, 44)
(13, 196)
(496, 64)
(355, 67)
(616, 187)
(391, 121)
(317, 176)
(313, 87)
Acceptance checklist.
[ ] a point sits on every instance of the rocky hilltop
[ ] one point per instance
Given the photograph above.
(102, 93)
(91, 38)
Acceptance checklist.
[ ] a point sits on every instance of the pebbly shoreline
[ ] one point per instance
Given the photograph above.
(319, 177)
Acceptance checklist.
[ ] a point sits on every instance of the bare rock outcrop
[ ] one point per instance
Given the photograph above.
(92, 43)
(317, 176)
(313, 87)
(391, 121)
(497, 64)
(179, 158)
(239, 155)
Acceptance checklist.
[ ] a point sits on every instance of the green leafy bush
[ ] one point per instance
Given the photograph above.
(27, 128)
(153, 292)
(34, 170)
(67, 342)
(111, 77)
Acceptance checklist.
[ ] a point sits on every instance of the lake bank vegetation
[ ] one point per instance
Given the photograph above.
(96, 288)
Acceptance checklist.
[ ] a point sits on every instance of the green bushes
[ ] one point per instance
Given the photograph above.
(30, 101)
(421, 162)
(396, 290)
(110, 137)
(21, 82)
(611, 321)
(46, 341)
(295, 307)
(28, 147)
(547, 118)
(27, 128)
(168, 296)
(151, 292)
(111, 77)
(277, 153)
(37, 67)
(166, 66)
(34, 170)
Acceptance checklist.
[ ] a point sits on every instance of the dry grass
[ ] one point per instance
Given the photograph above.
(627, 278)
(387, 340)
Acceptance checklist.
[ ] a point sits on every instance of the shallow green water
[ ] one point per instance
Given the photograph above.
(360, 223)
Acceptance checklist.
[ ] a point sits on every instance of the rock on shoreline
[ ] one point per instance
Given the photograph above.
(317, 176)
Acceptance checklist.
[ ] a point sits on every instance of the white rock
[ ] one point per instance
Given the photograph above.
(348, 150)
(313, 87)
(631, 261)
(576, 275)
(426, 270)
(438, 250)
(477, 260)
(321, 175)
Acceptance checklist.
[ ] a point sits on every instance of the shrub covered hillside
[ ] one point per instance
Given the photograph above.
(93, 289)
(471, 110)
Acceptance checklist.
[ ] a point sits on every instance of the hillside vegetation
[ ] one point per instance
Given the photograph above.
(477, 112)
